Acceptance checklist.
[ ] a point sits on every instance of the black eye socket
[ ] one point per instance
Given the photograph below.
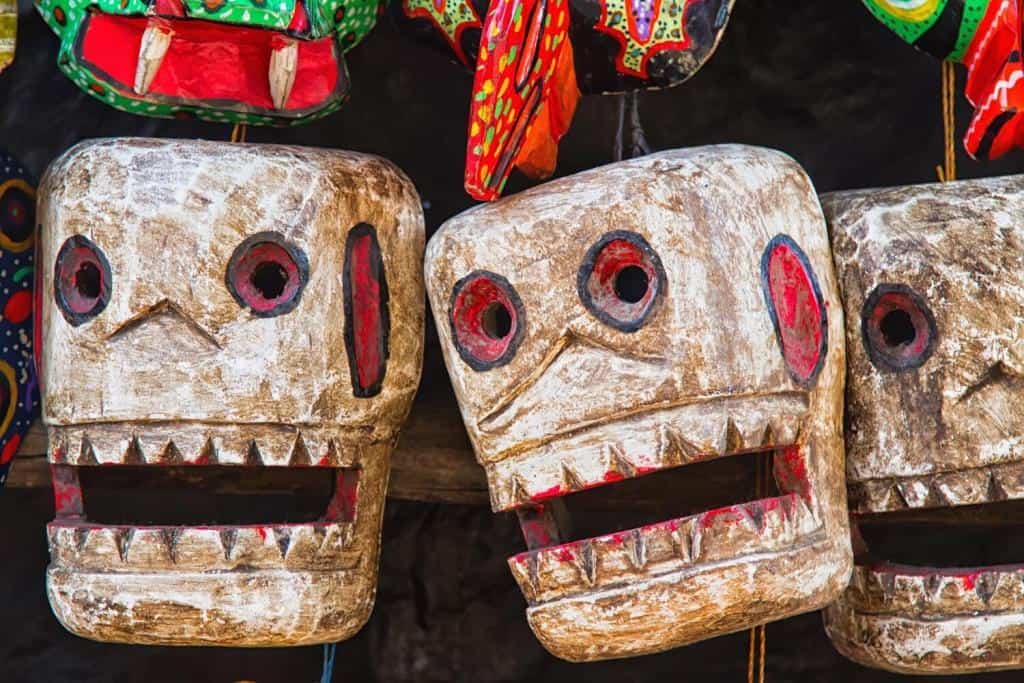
(487, 319)
(83, 281)
(898, 328)
(267, 274)
(17, 215)
(621, 280)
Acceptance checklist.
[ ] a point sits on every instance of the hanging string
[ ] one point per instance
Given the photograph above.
(238, 132)
(758, 634)
(947, 171)
(327, 671)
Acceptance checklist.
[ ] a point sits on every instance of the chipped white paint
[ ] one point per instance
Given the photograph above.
(947, 433)
(200, 380)
(582, 403)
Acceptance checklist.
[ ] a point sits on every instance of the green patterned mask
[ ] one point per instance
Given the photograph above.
(241, 61)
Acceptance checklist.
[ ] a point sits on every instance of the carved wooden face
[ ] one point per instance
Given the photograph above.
(641, 317)
(233, 317)
(932, 283)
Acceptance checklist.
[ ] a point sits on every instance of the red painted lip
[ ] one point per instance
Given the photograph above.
(213, 65)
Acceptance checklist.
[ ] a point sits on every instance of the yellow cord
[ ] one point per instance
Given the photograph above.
(947, 171)
(238, 133)
(755, 655)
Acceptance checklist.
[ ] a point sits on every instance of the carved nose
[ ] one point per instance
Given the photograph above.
(164, 307)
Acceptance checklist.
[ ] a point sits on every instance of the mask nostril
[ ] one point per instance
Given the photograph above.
(496, 321)
(269, 279)
(631, 284)
(88, 280)
(897, 328)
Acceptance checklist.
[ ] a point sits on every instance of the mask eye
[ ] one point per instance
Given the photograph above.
(83, 280)
(487, 320)
(367, 321)
(898, 328)
(796, 307)
(17, 215)
(267, 274)
(621, 280)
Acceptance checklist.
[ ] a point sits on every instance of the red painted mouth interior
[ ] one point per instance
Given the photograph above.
(954, 541)
(719, 489)
(210, 62)
(147, 495)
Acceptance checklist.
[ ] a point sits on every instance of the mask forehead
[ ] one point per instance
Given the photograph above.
(708, 216)
(660, 311)
(169, 232)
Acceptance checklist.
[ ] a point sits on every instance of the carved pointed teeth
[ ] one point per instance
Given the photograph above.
(208, 454)
(88, 454)
(156, 40)
(170, 537)
(618, 462)
(300, 454)
(283, 538)
(227, 541)
(586, 562)
(674, 448)
(637, 548)
(733, 439)
(124, 538)
(571, 480)
(284, 60)
(253, 455)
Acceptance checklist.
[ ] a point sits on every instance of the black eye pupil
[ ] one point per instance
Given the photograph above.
(897, 328)
(269, 279)
(87, 280)
(496, 321)
(631, 284)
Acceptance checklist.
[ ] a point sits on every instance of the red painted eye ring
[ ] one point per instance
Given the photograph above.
(621, 280)
(82, 280)
(266, 274)
(898, 328)
(487, 320)
(797, 308)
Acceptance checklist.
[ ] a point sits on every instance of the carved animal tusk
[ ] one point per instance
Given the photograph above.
(155, 42)
(283, 65)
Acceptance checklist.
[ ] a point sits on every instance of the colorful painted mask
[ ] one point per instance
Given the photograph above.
(8, 32)
(537, 56)
(983, 35)
(931, 276)
(224, 60)
(19, 394)
(643, 316)
(232, 314)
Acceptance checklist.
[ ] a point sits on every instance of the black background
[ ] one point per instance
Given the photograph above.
(819, 80)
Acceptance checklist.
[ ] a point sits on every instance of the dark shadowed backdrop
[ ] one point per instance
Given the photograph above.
(819, 80)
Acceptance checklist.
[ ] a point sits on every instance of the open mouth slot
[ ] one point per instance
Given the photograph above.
(190, 61)
(714, 485)
(129, 495)
(963, 537)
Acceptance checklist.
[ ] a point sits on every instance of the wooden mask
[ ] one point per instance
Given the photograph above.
(643, 316)
(932, 284)
(218, 314)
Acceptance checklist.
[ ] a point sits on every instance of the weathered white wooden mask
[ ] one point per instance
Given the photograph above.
(933, 285)
(232, 337)
(647, 316)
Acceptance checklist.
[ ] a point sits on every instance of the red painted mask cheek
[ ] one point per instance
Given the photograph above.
(266, 274)
(796, 307)
(620, 280)
(83, 280)
(367, 320)
(898, 328)
(487, 320)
